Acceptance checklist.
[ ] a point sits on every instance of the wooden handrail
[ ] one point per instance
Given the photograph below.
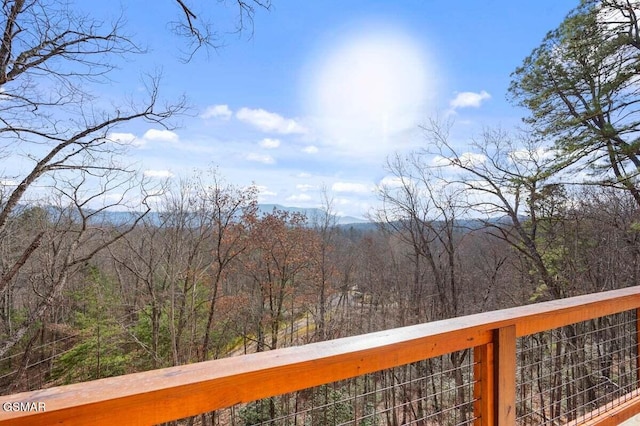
(166, 394)
(612, 414)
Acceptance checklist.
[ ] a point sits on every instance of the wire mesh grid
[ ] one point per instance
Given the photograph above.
(576, 371)
(437, 391)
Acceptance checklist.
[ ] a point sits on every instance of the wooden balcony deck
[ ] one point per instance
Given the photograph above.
(634, 421)
(172, 393)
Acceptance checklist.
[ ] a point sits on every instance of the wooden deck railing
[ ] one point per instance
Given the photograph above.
(161, 395)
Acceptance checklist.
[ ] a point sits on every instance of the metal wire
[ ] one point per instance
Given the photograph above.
(574, 371)
(437, 391)
(563, 375)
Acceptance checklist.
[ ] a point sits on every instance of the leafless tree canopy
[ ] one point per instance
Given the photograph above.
(194, 270)
(201, 33)
(56, 129)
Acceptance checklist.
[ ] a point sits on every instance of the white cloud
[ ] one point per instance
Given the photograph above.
(440, 161)
(264, 191)
(304, 175)
(8, 182)
(304, 187)
(269, 122)
(471, 159)
(217, 111)
(299, 197)
(537, 155)
(270, 143)
(466, 159)
(161, 135)
(616, 18)
(479, 187)
(351, 187)
(151, 135)
(126, 139)
(158, 173)
(261, 158)
(469, 99)
(311, 149)
(391, 182)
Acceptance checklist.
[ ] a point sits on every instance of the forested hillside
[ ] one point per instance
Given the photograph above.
(214, 278)
(198, 272)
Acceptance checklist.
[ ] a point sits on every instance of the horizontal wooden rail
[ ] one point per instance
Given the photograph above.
(613, 413)
(171, 393)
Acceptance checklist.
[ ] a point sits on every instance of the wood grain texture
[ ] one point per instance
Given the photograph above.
(505, 375)
(171, 393)
(613, 413)
(484, 387)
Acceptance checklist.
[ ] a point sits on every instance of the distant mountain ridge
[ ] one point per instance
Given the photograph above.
(310, 213)
(119, 218)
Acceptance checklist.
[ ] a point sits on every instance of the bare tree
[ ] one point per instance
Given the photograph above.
(201, 33)
(51, 125)
(69, 235)
(180, 257)
(229, 208)
(279, 261)
(511, 183)
(325, 225)
(422, 211)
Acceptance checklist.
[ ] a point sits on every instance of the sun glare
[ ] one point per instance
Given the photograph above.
(374, 84)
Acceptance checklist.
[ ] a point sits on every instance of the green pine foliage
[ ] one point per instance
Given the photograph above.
(102, 349)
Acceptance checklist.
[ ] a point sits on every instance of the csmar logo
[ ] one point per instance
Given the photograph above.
(24, 406)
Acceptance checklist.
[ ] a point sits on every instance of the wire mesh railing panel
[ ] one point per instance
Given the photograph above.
(574, 371)
(436, 391)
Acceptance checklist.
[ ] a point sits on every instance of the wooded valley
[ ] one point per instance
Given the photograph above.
(197, 272)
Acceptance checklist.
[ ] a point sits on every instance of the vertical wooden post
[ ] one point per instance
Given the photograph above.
(505, 375)
(483, 388)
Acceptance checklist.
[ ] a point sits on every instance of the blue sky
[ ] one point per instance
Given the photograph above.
(324, 91)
